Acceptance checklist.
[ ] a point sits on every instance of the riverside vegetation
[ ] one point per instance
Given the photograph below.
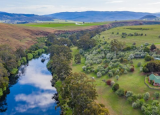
(10, 60)
(77, 93)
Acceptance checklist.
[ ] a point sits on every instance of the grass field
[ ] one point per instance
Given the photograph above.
(131, 81)
(152, 35)
(64, 26)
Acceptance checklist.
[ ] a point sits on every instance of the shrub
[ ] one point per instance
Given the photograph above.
(29, 56)
(108, 82)
(134, 105)
(120, 92)
(110, 74)
(153, 47)
(125, 72)
(146, 49)
(156, 94)
(117, 77)
(112, 83)
(146, 96)
(132, 69)
(99, 74)
(129, 94)
(115, 87)
(130, 99)
(139, 64)
(139, 96)
(148, 58)
(14, 71)
(23, 60)
(84, 68)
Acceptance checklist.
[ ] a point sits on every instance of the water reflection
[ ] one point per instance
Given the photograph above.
(33, 93)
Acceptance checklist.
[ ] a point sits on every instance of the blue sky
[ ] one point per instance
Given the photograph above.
(52, 6)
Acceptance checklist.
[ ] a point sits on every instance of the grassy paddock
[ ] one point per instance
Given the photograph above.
(152, 34)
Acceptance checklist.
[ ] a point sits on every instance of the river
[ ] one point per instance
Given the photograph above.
(31, 92)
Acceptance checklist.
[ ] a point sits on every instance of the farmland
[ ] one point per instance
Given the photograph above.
(132, 81)
(66, 26)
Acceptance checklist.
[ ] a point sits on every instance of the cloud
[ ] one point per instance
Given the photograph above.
(41, 100)
(119, 1)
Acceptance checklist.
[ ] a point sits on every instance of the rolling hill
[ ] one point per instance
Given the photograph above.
(19, 36)
(149, 17)
(12, 17)
(100, 16)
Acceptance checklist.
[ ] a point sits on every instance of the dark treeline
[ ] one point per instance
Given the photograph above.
(11, 59)
(76, 92)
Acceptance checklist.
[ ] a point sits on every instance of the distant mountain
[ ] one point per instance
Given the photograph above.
(99, 16)
(149, 17)
(12, 17)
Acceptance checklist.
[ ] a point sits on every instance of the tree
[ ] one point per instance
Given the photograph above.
(99, 74)
(129, 94)
(115, 87)
(80, 93)
(77, 58)
(117, 77)
(86, 43)
(146, 49)
(120, 92)
(60, 66)
(148, 58)
(146, 96)
(116, 45)
(108, 82)
(157, 94)
(153, 47)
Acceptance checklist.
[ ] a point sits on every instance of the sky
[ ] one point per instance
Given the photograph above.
(42, 7)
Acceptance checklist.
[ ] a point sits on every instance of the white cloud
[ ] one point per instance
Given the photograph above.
(53, 6)
(119, 1)
(41, 100)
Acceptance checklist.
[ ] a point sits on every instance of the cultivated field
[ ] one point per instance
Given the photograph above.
(66, 26)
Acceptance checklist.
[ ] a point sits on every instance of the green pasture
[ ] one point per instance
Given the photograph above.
(152, 34)
(64, 25)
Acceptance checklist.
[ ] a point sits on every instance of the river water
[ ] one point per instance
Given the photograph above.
(31, 92)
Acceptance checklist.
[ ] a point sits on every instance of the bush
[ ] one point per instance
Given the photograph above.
(153, 47)
(84, 68)
(99, 74)
(23, 60)
(146, 96)
(130, 99)
(112, 83)
(14, 71)
(115, 87)
(108, 82)
(156, 94)
(148, 58)
(129, 94)
(146, 49)
(134, 105)
(120, 92)
(110, 74)
(132, 69)
(29, 56)
(139, 64)
(117, 77)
